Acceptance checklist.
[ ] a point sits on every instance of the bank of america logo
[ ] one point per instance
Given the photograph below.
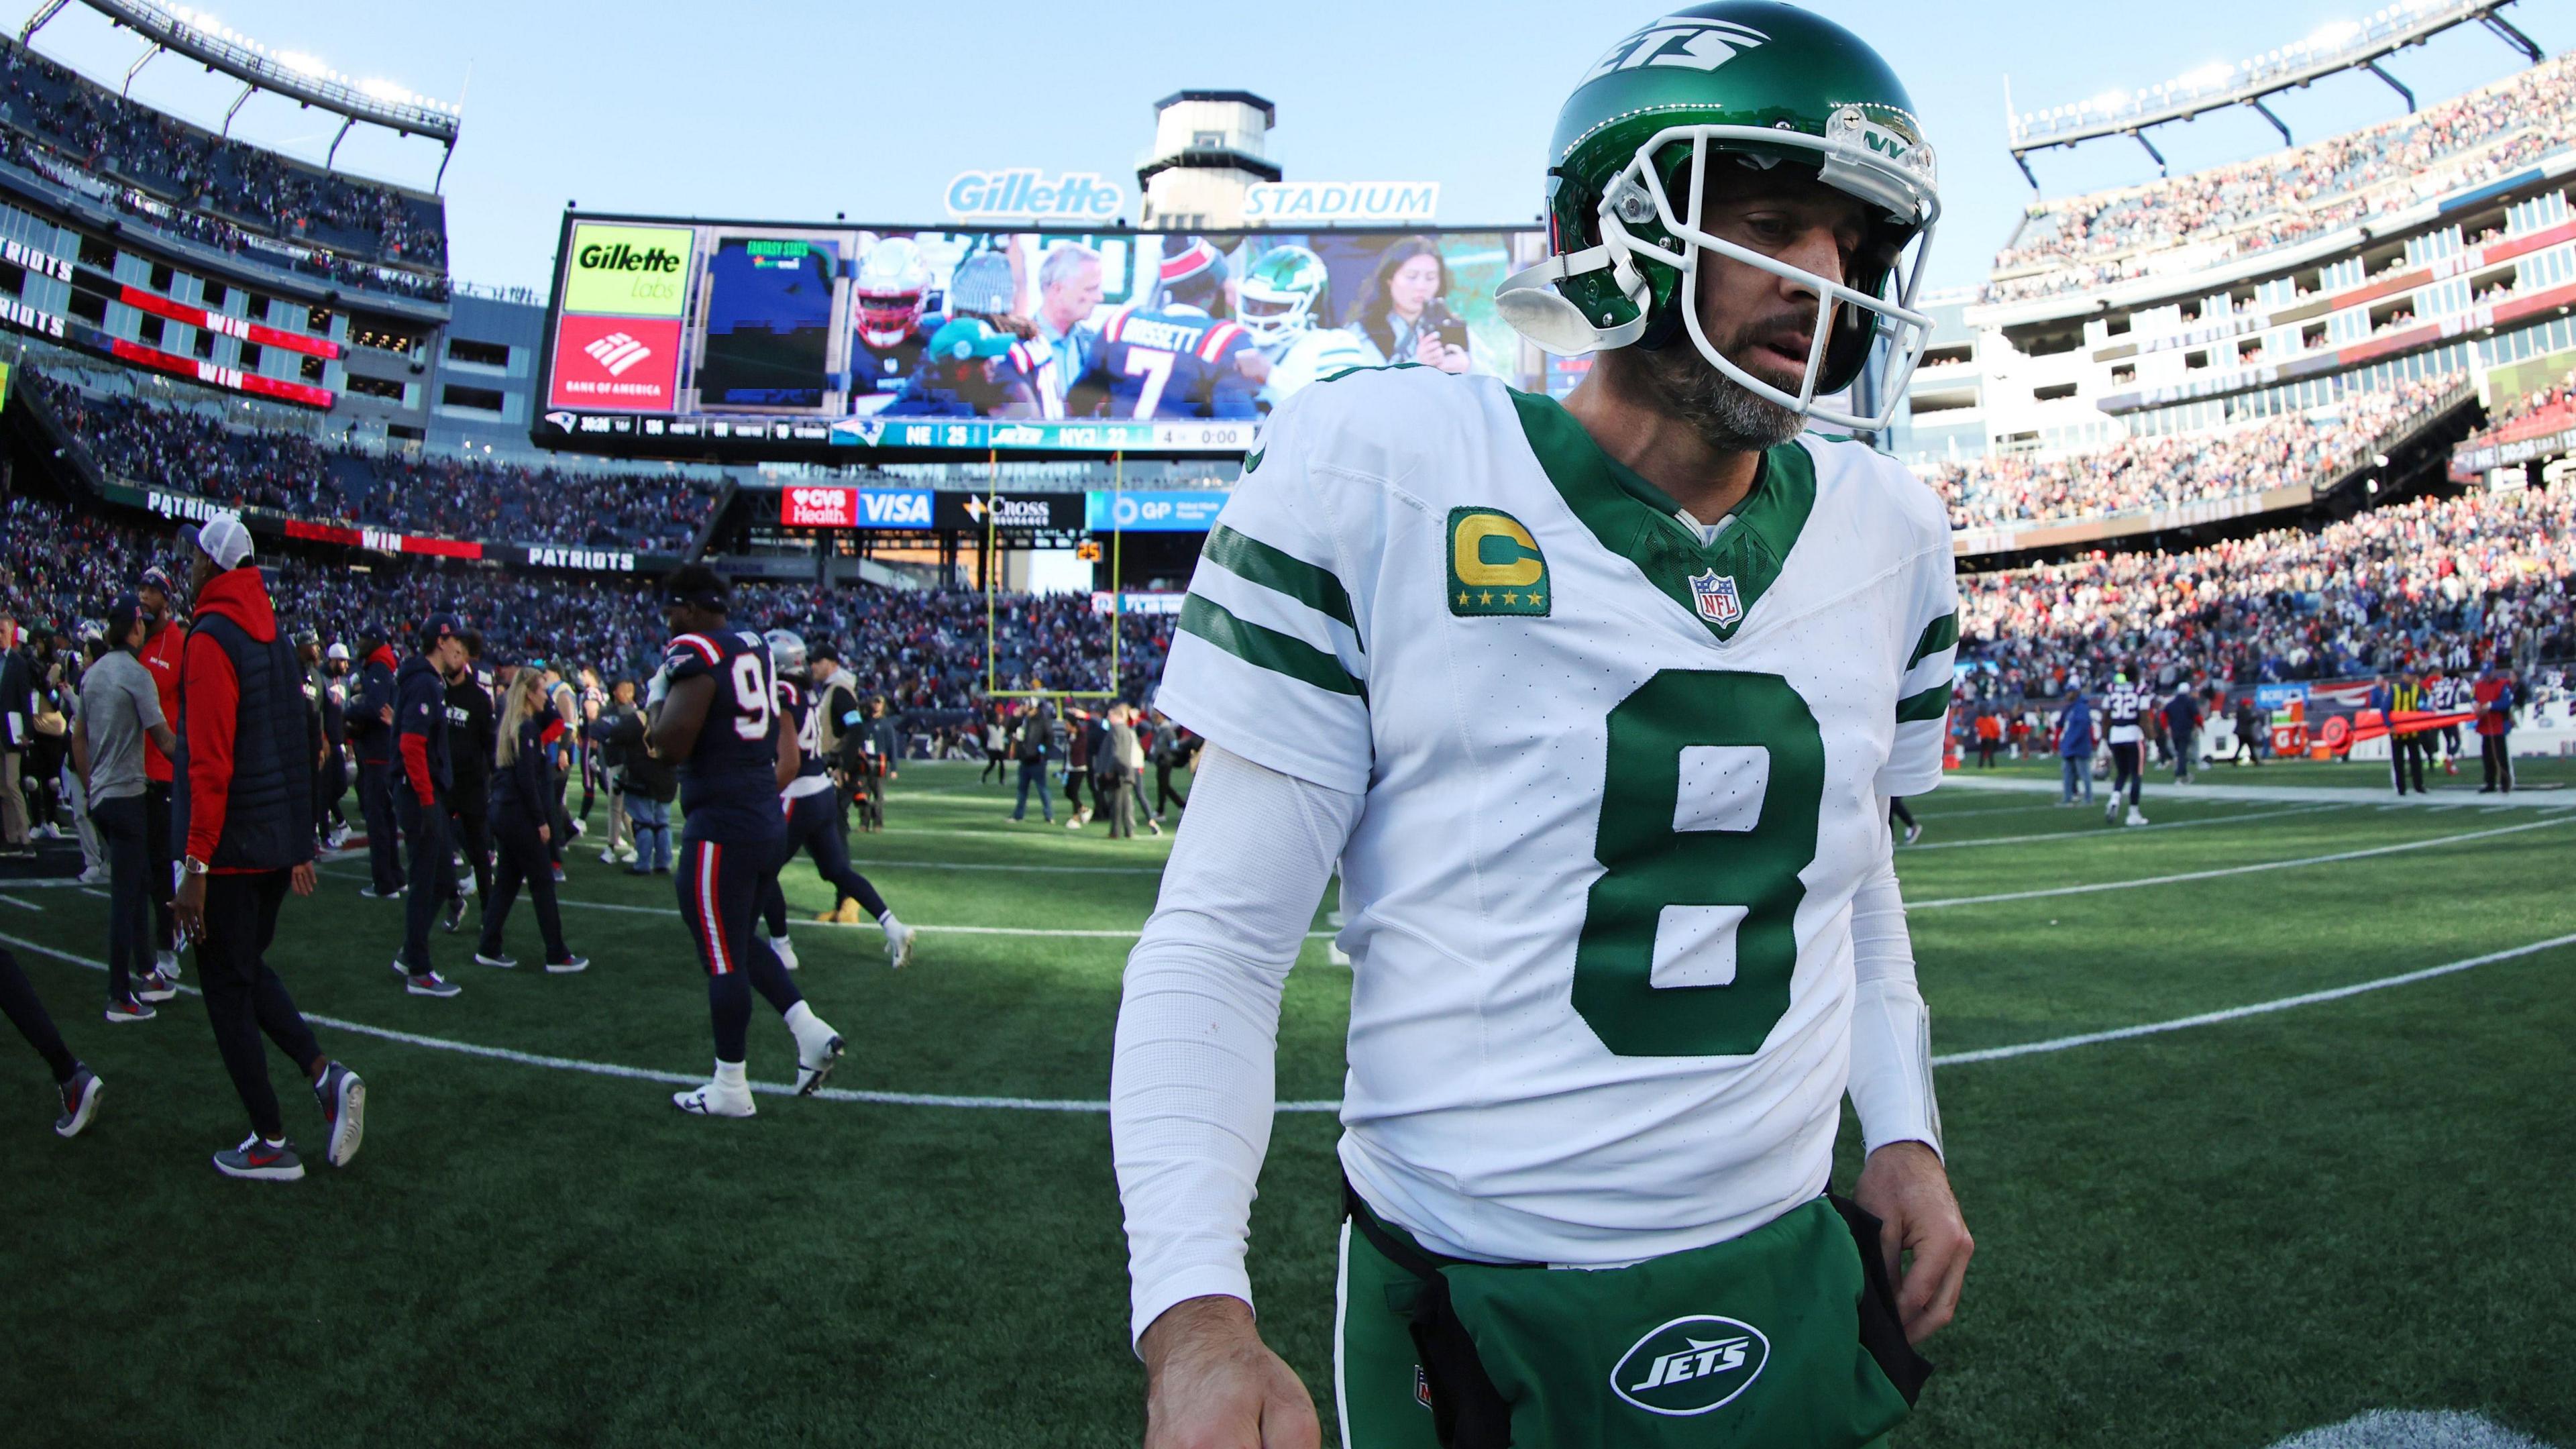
(618, 352)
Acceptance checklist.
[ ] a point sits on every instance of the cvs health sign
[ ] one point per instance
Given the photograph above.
(817, 507)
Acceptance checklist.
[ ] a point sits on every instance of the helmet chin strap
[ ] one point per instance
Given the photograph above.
(1529, 301)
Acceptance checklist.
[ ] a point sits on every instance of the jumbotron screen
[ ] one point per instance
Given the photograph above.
(753, 340)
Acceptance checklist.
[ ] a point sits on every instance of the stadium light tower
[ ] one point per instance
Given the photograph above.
(300, 78)
(2338, 46)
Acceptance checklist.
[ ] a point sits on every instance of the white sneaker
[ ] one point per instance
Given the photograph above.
(167, 963)
(2135, 818)
(608, 857)
(817, 1053)
(715, 1099)
(95, 875)
(2111, 812)
(785, 950)
(898, 944)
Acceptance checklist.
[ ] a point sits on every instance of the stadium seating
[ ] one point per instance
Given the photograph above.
(2435, 581)
(221, 186)
(2090, 241)
(922, 650)
(2143, 474)
(193, 452)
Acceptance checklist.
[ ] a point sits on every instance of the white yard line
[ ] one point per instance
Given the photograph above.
(2236, 1013)
(23, 905)
(2263, 865)
(1048, 1104)
(2108, 832)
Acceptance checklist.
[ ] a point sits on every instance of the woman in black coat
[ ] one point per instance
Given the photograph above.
(523, 812)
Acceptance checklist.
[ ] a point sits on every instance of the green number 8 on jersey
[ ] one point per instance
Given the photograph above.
(1719, 897)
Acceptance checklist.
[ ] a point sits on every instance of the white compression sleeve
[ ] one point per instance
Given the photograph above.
(1191, 1083)
(1891, 1051)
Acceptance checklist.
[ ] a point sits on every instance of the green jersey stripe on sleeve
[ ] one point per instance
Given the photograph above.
(1938, 635)
(1913, 707)
(1266, 648)
(1250, 558)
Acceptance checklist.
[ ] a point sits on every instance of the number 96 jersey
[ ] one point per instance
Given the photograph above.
(1621, 782)
(729, 782)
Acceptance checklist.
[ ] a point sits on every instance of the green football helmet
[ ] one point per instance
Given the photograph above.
(1278, 297)
(1735, 82)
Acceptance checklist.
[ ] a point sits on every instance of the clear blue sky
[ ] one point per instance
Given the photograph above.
(757, 109)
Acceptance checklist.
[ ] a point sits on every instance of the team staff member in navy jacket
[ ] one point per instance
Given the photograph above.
(242, 810)
(420, 794)
(371, 733)
(523, 823)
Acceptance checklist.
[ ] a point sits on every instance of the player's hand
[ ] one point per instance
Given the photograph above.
(545, 835)
(387, 714)
(188, 905)
(1905, 1187)
(301, 879)
(1254, 366)
(1211, 1383)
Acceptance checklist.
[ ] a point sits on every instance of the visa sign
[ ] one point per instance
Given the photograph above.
(1192, 511)
(1282, 203)
(805, 507)
(1075, 196)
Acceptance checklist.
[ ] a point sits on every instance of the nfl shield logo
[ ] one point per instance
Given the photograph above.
(1716, 597)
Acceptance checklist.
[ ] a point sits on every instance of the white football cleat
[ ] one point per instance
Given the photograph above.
(814, 1062)
(715, 1099)
(898, 943)
(2135, 818)
(785, 950)
(2111, 811)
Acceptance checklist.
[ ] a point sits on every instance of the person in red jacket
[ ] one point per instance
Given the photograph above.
(243, 812)
(2495, 701)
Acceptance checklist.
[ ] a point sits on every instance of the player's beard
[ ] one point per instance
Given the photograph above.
(1726, 415)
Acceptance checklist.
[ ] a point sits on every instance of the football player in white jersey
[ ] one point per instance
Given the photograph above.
(1600, 707)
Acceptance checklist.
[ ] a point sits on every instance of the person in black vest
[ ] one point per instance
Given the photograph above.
(522, 817)
(241, 810)
(470, 741)
(426, 783)
(371, 732)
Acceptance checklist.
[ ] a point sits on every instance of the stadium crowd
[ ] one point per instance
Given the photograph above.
(2143, 474)
(922, 650)
(2252, 206)
(102, 132)
(2450, 582)
(188, 451)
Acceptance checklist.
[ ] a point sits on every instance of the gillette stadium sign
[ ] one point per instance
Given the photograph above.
(1339, 203)
(1027, 195)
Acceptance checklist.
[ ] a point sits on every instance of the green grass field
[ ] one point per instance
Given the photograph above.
(2218, 1235)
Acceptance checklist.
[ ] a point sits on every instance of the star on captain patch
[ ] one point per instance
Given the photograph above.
(1715, 597)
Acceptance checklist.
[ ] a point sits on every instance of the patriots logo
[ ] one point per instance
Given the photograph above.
(1715, 597)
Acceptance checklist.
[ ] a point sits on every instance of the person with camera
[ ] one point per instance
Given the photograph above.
(1401, 308)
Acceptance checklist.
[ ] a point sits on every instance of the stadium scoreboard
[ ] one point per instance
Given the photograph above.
(743, 341)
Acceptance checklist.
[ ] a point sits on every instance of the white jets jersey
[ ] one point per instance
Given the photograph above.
(1313, 355)
(1620, 787)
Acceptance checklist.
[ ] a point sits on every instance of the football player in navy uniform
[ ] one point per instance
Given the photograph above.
(892, 322)
(1178, 359)
(713, 708)
(2127, 706)
(813, 817)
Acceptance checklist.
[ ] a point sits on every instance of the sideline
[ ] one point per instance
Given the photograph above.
(2260, 865)
(1046, 1104)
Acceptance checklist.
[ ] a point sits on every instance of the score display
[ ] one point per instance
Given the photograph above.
(739, 340)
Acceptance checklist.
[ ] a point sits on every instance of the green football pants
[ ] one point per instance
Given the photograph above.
(1753, 1343)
